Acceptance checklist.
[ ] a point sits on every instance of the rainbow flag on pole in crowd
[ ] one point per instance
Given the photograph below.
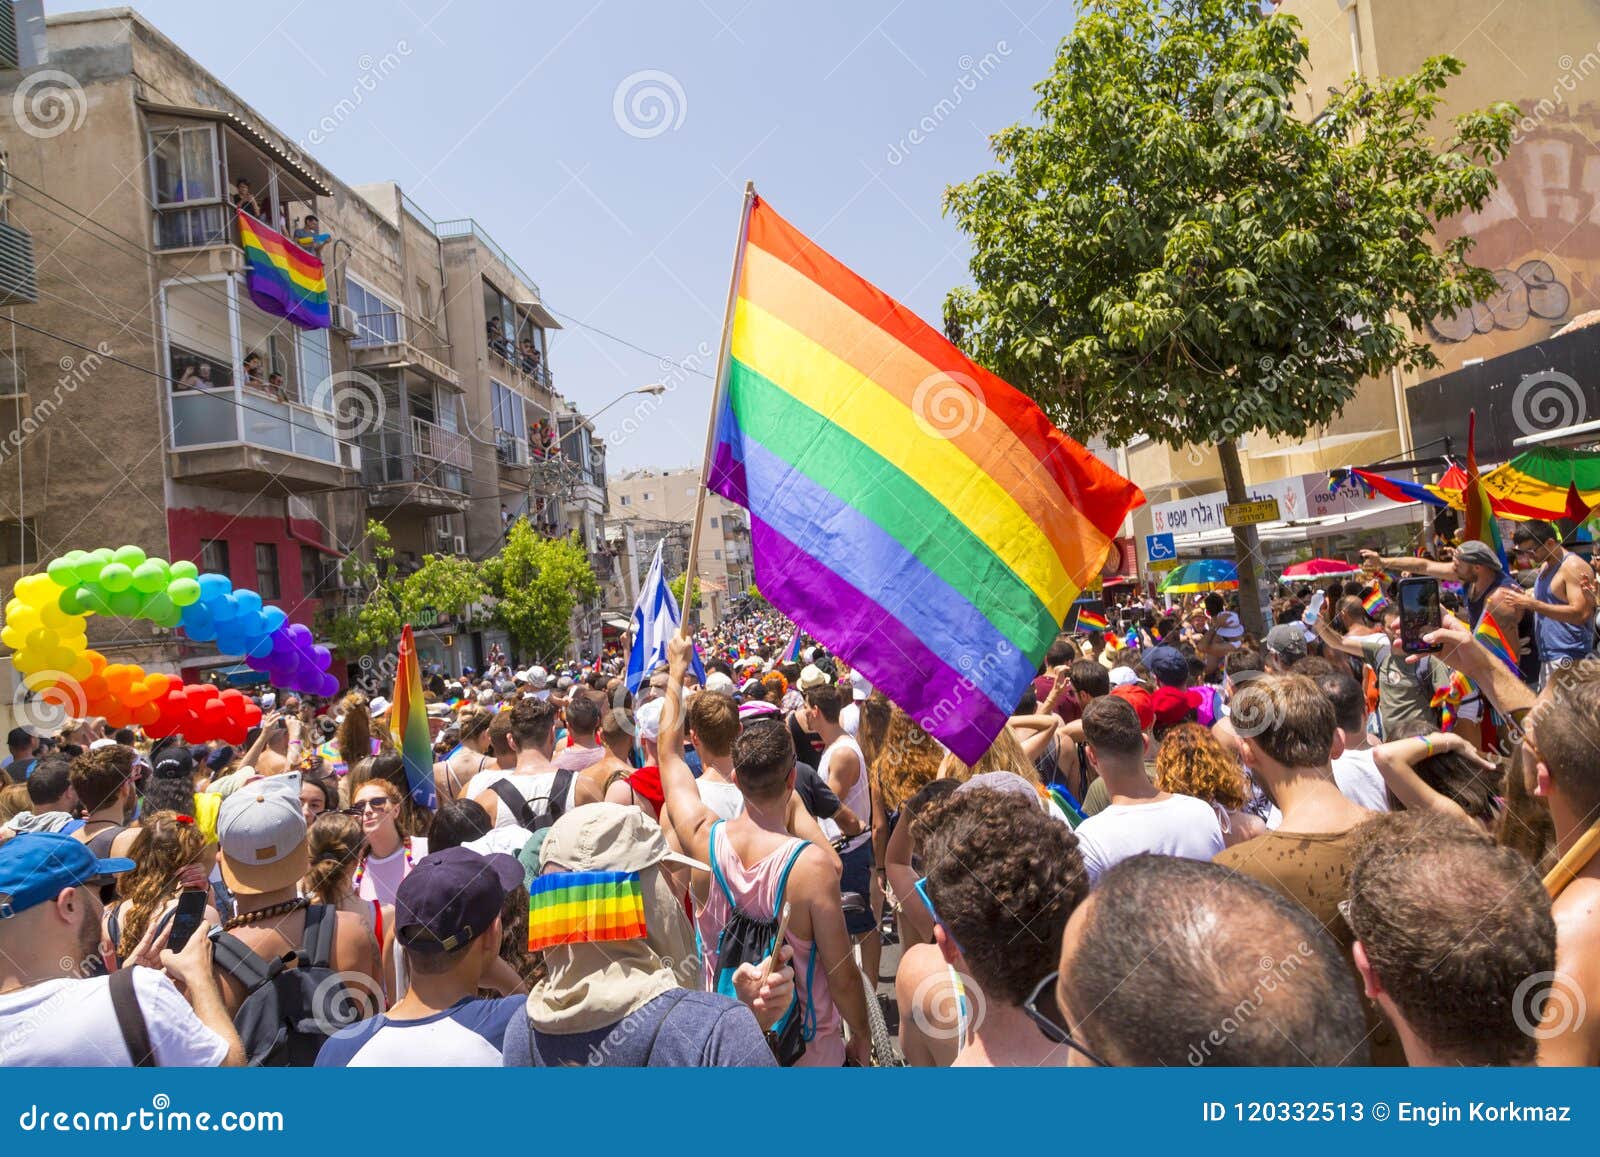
(908, 509)
(282, 278)
(1480, 522)
(408, 722)
(791, 652)
(1373, 601)
(1091, 620)
(1489, 633)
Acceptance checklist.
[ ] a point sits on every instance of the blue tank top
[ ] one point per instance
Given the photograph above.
(1558, 640)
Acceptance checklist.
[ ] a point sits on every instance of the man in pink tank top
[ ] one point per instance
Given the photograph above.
(752, 850)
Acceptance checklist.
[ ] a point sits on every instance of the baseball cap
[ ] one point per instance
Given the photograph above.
(1478, 554)
(1168, 665)
(859, 687)
(564, 682)
(1123, 676)
(648, 719)
(1287, 641)
(608, 837)
(262, 834)
(451, 897)
(537, 675)
(175, 762)
(1139, 699)
(720, 683)
(812, 676)
(1172, 704)
(99, 744)
(36, 865)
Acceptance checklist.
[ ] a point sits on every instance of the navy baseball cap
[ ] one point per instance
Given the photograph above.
(451, 897)
(36, 865)
(1168, 665)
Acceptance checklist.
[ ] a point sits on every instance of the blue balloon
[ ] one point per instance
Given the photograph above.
(201, 632)
(262, 649)
(274, 618)
(196, 615)
(223, 608)
(213, 585)
(248, 600)
(248, 622)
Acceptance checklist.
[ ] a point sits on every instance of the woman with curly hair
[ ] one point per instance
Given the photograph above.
(1192, 761)
(1002, 878)
(169, 855)
(907, 759)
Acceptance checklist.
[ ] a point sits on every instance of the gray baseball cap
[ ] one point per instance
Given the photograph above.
(1478, 554)
(262, 834)
(1287, 641)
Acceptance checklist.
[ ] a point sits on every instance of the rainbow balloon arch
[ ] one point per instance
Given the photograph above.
(46, 628)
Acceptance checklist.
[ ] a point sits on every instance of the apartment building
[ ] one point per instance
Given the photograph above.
(648, 507)
(1508, 356)
(152, 401)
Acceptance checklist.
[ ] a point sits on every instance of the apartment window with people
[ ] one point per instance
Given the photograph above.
(267, 571)
(214, 556)
(186, 186)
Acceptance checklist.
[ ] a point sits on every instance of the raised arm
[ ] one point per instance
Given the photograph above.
(1334, 639)
(691, 819)
(1397, 763)
(1411, 564)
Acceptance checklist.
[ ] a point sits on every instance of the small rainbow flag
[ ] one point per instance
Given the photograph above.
(584, 908)
(1489, 633)
(791, 652)
(1092, 620)
(1447, 698)
(282, 278)
(408, 722)
(1373, 601)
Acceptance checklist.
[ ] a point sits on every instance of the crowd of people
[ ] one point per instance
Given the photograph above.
(1187, 846)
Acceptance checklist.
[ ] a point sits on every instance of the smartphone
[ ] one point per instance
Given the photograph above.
(1419, 614)
(188, 916)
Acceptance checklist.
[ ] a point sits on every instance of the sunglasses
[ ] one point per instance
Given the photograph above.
(922, 890)
(362, 806)
(1049, 1027)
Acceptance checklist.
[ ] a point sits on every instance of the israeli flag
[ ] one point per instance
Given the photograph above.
(655, 620)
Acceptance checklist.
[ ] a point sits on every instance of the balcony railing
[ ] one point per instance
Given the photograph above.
(447, 446)
(466, 226)
(221, 417)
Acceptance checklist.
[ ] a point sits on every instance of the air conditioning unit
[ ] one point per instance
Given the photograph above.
(344, 320)
(228, 260)
(460, 544)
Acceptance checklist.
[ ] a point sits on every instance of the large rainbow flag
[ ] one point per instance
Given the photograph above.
(909, 510)
(282, 278)
(1480, 522)
(408, 722)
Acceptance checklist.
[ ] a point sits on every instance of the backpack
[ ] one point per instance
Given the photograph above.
(288, 1012)
(748, 940)
(523, 808)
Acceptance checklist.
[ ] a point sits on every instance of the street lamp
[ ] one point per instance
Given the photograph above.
(654, 390)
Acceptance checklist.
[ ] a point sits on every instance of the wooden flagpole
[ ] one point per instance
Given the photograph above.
(723, 353)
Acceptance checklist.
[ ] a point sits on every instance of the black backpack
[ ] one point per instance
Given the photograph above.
(288, 1012)
(523, 808)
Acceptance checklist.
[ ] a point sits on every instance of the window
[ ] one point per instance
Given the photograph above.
(267, 570)
(315, 574)
(19, 542)
(716, 523)
(377, 318)
(187, 187)
(425, 301)
(717, 554)
(316, 369)
(624, 501)
(648, 496)
(214, 556)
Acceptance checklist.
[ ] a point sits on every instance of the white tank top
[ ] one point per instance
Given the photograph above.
(858, 799)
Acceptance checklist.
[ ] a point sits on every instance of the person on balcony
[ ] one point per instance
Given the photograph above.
(197, 376)
(275, 387)
(497, 339)
(252, 370)
(244, 199)
(309, 236)
(528, 355)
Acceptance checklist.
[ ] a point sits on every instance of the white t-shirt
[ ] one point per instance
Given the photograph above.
(858, 799)
(467, 1035)
(70, 1023)
(1181, 826)
(483, 781)
(850, 718)
(723, 798)
(1360, 780)
(534, 788)
(381, 875)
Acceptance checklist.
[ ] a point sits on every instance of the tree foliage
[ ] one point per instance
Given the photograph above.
(1165, 250)
(537, 582)
(443, 584)
(675, 585)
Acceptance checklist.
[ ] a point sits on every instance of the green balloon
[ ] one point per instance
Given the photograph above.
(158, 609)
(93, 599)
(63, 572)
(115, 577)
(184, 569)
(129, 556)
(71, 601)
(102, 554)
(150, 576)
(183, 591)
(125, 603)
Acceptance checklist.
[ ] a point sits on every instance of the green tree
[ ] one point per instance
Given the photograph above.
(676, 587)
(758, 599)
(443, 584)
(1165, 250)
(537, 582)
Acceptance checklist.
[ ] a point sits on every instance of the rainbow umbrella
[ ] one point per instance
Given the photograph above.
(1206, 574)
(1315, 568)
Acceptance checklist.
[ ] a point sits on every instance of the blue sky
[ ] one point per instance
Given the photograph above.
(624, 206)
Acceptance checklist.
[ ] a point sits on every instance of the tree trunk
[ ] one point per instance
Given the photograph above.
(1246, 546)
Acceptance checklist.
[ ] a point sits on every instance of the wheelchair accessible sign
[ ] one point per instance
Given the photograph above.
(1160, 547)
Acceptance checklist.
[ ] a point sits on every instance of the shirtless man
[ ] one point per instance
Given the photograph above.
(1562, 600)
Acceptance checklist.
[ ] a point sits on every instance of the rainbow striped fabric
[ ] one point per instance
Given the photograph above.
(1489, 633)
(584, 908)
(408, 722)
(1092, 621)
(909, 510)
(282, 278)
(1478, 519)
(1373, 601)
(791, 652)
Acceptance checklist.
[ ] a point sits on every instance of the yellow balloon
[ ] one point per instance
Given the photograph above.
(24, 619)
(27, 662)
(52, 615)
(12, 637)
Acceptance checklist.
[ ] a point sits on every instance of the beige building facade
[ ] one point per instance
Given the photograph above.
(648, 507)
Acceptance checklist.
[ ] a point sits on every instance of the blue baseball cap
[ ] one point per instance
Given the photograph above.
(1169, 666)
(36, 865)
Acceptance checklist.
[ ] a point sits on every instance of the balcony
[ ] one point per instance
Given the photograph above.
(384, 341)
(511, 451)
(241, 439)
(417, 471)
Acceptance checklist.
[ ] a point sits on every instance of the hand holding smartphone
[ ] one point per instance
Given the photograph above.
(1420, 614)
(188, 916)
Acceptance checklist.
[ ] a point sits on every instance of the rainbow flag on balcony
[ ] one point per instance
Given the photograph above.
(282, 278)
